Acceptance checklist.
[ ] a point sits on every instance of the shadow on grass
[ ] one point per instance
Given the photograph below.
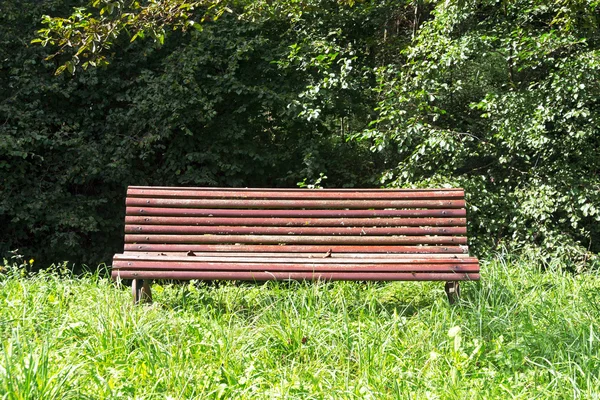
(247, 299)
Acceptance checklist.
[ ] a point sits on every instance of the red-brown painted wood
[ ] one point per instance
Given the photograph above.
(346, 222)
(296, 194)
(279, 230)
(295, 234)
(295, 267)
(199, 212)
(162, 255)
(292, 260)
(161, 247)
(299, 276)
(337, 190)
(286, 204)
(279, 239)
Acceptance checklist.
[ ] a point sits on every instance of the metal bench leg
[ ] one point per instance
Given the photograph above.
(452, 291)
(141, 291)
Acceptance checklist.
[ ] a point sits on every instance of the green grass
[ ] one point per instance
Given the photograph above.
(519, 333)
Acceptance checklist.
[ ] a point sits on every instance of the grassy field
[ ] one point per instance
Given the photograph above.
(520, 333)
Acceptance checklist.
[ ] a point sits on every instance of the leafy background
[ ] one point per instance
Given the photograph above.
(499, 97)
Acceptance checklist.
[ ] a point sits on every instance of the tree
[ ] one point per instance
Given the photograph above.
(502, 98)
(498, 97)
(92, 30)
(206, 108)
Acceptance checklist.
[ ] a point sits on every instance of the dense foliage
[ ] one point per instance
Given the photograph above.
(502, 98)
(210, 107)
(498, 97)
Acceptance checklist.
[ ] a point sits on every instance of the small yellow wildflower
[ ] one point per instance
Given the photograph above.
(31, 261)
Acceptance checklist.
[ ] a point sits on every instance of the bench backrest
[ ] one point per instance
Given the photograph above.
(177, 221)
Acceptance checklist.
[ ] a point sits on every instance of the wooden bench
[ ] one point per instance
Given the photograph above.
(181, 233)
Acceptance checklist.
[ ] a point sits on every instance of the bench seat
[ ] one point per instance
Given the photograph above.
(294, 234)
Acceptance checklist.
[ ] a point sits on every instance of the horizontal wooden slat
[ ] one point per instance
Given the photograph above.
(336, 190)
(291, 204)
(346, 222)
(279, 230)
(300, 276)
(159, 247)
(295, 194)
(295, 267)
(277, 239)
(142, 255)
(200, 212)
(291, 260)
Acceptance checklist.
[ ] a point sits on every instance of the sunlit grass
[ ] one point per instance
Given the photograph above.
(519, 333)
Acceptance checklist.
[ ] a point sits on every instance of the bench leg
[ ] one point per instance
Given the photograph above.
(141, 291)
(453, 291)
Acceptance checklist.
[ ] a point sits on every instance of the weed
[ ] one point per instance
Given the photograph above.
(521, 332)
